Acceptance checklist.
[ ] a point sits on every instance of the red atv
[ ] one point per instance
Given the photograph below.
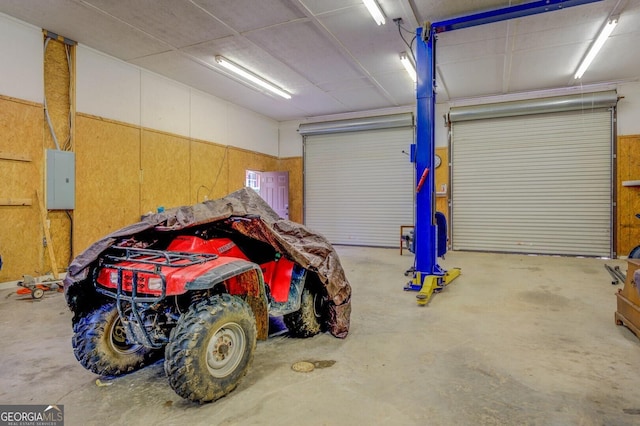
(199, 298)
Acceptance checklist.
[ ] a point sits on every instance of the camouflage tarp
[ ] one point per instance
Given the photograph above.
(305, 247)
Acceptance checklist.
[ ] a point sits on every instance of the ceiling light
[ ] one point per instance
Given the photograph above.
(408, 65)
(596, 46)
(248, 75)
(375, 11)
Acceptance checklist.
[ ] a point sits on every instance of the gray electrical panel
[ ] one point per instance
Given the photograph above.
(61, 180)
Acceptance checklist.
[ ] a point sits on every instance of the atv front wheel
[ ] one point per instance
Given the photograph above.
(308, 320)
(100, 344)
(211, 348)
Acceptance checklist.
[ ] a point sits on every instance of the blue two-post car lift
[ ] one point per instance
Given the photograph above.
(428, 276)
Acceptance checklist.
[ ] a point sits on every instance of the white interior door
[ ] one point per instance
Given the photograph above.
(274, 189)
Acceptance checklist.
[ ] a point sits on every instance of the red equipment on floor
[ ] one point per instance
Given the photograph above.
(29, 285)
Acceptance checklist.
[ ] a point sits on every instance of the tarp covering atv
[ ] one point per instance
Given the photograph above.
(257, 221)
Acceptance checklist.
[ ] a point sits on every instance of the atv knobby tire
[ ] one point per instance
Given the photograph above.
(211, 348)
(100, 344)
(308, 320)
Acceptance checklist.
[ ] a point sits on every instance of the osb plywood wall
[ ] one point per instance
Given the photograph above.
(241, 160)
(25, 137)
(209, 171)
(166, 171)
(628, 165)
(57, 92)
(21, 166)
(442, 178)
(58, 57)
(107, 178)
(124, 171)
(293, 165)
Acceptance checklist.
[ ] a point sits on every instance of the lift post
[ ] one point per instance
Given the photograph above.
(428, 276)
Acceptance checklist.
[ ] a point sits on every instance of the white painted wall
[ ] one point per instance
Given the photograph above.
(252, 131)
(209, 118)
(164, 104)
(628, 105)
(291, 141)
(441, 133)
(110, 88)
(106, 87)
(628, 114)
(21, 60)
(629, 109)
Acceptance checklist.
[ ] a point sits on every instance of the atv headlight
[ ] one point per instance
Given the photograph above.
(154, 284)
(113, 277)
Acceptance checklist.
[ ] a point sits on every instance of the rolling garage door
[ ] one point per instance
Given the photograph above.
(358, 184)
(539, 183)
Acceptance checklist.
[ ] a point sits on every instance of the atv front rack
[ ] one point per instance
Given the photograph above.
(159, 259)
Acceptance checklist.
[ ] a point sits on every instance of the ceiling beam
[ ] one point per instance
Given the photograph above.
(506, 13)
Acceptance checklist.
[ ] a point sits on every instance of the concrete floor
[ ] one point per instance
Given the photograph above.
(514, 340)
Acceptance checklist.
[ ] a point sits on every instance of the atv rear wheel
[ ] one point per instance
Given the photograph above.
(308, 320)
(211, 348)
(100, 344)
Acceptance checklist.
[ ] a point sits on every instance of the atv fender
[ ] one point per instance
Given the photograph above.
(241, 278)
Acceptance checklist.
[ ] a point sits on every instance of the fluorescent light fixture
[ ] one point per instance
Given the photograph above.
(248, 75)
(408, 65)
(375, 11)
(596, 46)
